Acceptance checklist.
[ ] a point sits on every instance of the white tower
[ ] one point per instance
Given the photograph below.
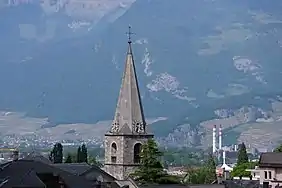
(214, 139)
(224, 157)
(220, 138)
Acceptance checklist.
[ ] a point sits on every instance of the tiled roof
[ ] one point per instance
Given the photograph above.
(81, 169)
(30, 179)
(37, 157)
(21, 167)
(207, 186)
(74, 168)
(227, 184)
(100, 171)
(270, 159)
(164, 186)
(242, 183)
(78, 169)
(183, 186)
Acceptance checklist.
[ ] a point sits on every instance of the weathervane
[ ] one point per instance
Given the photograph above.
(129, 33)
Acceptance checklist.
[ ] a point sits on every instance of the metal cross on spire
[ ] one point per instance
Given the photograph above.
(129, 33)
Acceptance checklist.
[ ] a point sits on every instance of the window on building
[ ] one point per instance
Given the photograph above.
(113, 152)
(114, 148)
(113, 159)
(137, 151)
(265, 174)
(269, 175)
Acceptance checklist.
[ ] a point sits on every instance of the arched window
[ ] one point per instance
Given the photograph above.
(114, 148)
(113, 152)
(137, 151)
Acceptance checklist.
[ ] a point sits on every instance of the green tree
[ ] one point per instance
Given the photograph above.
(69, 158)
(92, 161)
(278, 149)
(84, 155)
(73, 157)
(151, 169)
(210, 170)
(56, 155)
(51, 155)
(203, 175)
(242, 155)
(79, 155)
(240, 170)
(195, 176)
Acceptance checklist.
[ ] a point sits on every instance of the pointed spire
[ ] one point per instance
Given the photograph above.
(129, 33)
(129, 116)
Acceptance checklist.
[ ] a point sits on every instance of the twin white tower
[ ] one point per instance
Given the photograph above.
(214, 149)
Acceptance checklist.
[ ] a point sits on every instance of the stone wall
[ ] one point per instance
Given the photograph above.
(124, 164)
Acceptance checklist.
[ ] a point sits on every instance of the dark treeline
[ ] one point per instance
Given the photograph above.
(80, 156)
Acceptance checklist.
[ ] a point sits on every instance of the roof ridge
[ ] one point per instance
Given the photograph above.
(97, 168)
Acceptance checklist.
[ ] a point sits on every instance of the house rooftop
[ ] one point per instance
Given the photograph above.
(81, 169)
(183, 186)
(74, 168)
(242, 183)
(207, 186)
(27, 174)
(163, 186)
(36, 156)
(270, 159)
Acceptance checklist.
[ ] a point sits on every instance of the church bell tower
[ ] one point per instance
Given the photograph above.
(128, 132)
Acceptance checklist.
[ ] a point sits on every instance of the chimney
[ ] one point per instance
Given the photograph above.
(235, 147)
(220, 138)
(15, 155)
(214, 139)
(224, 157)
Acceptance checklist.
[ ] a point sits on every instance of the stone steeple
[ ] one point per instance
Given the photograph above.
(128, 132)
(129, 116)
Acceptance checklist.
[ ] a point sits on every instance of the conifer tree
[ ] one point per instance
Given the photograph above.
(51, 155)
(278, 149)
(202, 175)
(92, 161)
(78, 155)
(56, 154)
(84, 154)
(69, 158)
(210, 170)
(242, 155)
(151, 168)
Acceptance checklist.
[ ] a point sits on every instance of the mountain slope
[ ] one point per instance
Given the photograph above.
(193, 57)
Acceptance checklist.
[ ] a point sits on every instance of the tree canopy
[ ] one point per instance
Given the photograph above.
(56, 155)
(78, 155)
(242, 155)
(203, 175)
(69, 158)
(240, 170)
(242, 163)
(92, 161)
(82, 155)
(182, 157)
(278, 149)
(151, 168)
(210, 169)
